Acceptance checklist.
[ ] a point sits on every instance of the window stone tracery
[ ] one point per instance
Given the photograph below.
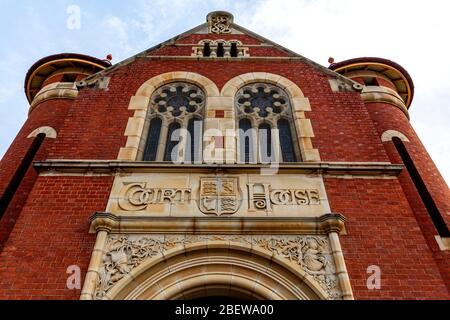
(178, 100)
(176, 104)
(263, 102)
(267, 107)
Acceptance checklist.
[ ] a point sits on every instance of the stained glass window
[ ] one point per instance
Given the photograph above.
(174, 101)
(194, 141)
(265, 143)
(269, 108)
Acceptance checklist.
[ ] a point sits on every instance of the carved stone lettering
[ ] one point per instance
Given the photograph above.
(262, 197)
(215, 196)
(137, 196)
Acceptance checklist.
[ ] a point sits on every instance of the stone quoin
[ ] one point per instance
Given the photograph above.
(220, 163)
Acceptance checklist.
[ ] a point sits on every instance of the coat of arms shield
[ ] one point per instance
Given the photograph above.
(219, 196)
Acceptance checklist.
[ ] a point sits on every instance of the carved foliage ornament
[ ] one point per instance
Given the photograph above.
(311, 253)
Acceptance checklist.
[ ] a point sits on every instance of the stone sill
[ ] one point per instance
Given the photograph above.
(115, 166)
(443, 243)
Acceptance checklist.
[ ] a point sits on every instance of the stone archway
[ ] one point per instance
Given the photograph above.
(135, 258)
(219, 269)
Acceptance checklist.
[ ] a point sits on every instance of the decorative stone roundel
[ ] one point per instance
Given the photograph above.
(178, 99)
(262, 101)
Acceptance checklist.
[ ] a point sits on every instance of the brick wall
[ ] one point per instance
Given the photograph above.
(49, 113)
(51, 235)
(387, 117)
(341, 123)
(383, 231)
(387, 224)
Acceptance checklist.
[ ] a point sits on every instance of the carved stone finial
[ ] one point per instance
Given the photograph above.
(220, 22)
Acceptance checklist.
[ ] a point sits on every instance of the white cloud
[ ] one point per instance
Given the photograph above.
(118, 30)
(411, 33)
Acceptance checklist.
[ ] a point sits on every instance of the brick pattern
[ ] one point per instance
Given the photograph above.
(51, 235)
(256, 51)
(387, 117)
(196, 38)
(172, 51)
(383, 231)
(105, 113)
(390, 118)
(387, 224)
(49, 113)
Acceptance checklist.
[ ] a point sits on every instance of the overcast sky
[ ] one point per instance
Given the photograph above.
(412, 33)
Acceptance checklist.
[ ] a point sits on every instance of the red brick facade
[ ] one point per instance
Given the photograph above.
(45, 228)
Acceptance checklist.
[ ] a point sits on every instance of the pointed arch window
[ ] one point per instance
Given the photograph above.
(264, 113)
(173, 138)
(174, 126)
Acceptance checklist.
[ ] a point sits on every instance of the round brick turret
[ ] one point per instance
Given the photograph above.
(388, 92)
(50, 89)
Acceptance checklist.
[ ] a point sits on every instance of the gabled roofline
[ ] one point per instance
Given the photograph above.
(293, 55)
(145, 52)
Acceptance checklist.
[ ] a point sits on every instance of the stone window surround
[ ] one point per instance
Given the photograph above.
(197, 50)
(48, 131)
(218, 100)
(389, 134)
(167, 119)
(272, 120)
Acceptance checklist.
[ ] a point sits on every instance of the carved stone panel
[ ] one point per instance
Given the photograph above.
(199, 195)
(220, 22)
(219, 196)
(311, 254)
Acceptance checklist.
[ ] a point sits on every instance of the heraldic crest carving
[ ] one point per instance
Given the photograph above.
(219, 196)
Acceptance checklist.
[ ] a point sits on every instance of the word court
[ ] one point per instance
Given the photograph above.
(139, 196)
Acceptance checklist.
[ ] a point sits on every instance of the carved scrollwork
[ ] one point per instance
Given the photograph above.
(311, 253)
(220, 22)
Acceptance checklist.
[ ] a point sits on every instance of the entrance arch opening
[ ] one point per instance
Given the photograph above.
(217, 269)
